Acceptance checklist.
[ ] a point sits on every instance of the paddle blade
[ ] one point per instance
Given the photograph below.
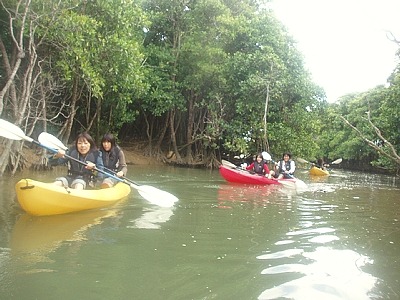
(51, 141)
(266, 156)
(335, 162)
(303, 161)
(300, 185)
(288, 184)
(8, 135)
(156, 196)
(11, 131)
(295, 184)
(228, 164)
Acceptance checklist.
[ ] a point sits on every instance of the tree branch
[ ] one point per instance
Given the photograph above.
(395, 157)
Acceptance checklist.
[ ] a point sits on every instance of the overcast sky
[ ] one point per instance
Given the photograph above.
(344, 42)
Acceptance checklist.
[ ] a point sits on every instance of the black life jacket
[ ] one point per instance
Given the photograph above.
(111, 158)
(259, 167)
(284, 166)
(76, 169)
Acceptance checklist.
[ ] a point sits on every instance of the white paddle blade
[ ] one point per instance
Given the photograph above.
(228, 164)
(156, 196)
(303, 161)
(266, 156)
(9, 135)
(11, 131)
(296, 184)
(300, 185)
(335, 162)
(288, 184)
(51, 141)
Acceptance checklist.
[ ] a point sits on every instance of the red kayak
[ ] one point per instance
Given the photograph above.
(242, 176)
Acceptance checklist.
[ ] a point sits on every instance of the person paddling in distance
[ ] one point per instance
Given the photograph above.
(284, 168)
(80, 176)
(321, 164)
(113, 159)
(259, 166)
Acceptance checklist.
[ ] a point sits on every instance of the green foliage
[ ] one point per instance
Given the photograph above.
(383, 111)
(216, 66)
(98, 45)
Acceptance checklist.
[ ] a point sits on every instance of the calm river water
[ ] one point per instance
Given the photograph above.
(339, 239)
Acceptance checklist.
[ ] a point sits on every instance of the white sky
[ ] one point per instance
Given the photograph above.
(344, 42)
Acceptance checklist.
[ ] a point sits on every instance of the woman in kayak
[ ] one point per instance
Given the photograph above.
(80, 175)
(321, 164)
(113, 160)
(284, 168)
(259, 166)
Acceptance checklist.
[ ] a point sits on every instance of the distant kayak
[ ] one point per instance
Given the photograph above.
(242, 176)
(318, 172)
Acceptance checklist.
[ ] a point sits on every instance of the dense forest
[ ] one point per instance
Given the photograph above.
(202, 79)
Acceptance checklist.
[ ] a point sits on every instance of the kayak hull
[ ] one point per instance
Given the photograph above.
(44, 199)
(245, 177)
(318, 172)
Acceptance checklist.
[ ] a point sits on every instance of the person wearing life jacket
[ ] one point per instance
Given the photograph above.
(80, 175)
(113, 160)
(320, 164)
(259, 166)
(284, 168)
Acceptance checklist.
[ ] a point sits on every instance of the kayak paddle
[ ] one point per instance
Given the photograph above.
(266, 156)
(151, 194)
(228, 164)
(337, 161)
(303, 161)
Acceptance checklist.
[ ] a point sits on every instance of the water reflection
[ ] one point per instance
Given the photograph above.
(305, 264)
(34, 238)
(320, 179)
(233, 194)
(325, 274)
(152, 218)
(338, 240)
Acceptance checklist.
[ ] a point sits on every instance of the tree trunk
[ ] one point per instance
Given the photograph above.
(265, 142)
(70, 120)
(149, 133)
(189, 132)
(162, 133)
(173, 135)
(5, 156)
(11, 73)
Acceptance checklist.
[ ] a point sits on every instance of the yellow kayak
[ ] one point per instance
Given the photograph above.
(44, 199)
(318, 172)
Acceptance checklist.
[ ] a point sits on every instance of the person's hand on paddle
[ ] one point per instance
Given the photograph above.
(120, 174)
(90, 165)
(59, 154)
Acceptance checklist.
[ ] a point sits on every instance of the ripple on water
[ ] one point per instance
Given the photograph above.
(284, 242)
(281, 254)
(320, 230)
(331, 274)
(323, 239)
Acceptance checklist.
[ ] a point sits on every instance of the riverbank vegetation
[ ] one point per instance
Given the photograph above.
(194, 80)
